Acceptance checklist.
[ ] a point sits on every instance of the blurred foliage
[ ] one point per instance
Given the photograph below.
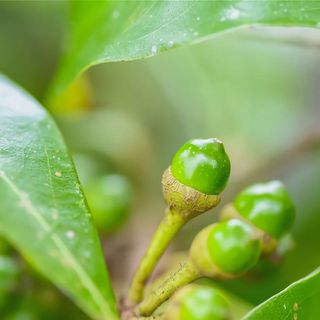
(256, 89)
(109, 199)
(30, 37)
(77, 98)
(105, 31)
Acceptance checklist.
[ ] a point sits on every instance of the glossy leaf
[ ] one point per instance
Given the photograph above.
(299, 301)
(43, 212)
(104, 31)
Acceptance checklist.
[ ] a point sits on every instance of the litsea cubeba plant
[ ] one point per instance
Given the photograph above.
(56, 234)
(231, 247)
(191, 185)
(223, 250)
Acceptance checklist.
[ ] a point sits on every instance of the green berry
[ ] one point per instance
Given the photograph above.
(109, 198)
(202, 164)
(203, 303)
(268, 206)
(233, 246)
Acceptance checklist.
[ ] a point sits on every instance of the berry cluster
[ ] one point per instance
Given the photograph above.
(252, 225)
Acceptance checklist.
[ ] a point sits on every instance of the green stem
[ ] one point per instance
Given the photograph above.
(184, 275)
(167, 229)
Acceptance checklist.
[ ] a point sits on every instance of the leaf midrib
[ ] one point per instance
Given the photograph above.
(82, 274)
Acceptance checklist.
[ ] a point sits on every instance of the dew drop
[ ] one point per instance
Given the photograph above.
(154, 49)
(115, 14)
(70, 234)
(233, 14)
(170, 44)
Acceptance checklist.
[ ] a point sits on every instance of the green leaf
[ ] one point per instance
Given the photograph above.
(298, 301)
(104, 31)
(43, 212)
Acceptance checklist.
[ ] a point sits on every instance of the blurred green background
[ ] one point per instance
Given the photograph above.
(256, 89)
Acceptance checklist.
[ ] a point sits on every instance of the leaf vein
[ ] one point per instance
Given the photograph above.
(60, 245)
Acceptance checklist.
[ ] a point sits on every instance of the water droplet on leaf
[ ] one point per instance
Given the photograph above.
(70, 234)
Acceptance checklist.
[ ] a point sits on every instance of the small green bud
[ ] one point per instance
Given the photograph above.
(268, 206)
(109, 198)
(226, 249)
(195, 302)
(203, 165)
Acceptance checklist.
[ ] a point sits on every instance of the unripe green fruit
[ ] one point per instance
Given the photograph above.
(109, 198)
(268, 206)
(226, 249)
(222, 250)
(195, 302)
(191, 186)
(202, 164)
(234, 246)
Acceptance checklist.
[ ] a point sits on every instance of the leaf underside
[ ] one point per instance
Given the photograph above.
(105, 31)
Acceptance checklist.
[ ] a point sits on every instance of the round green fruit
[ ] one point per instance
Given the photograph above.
(202, 164)
(268, 206)
(195, 302)
(233, 246)
(109, 199)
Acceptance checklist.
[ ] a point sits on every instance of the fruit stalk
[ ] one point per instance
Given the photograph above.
(170, 225)
(186, 273)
